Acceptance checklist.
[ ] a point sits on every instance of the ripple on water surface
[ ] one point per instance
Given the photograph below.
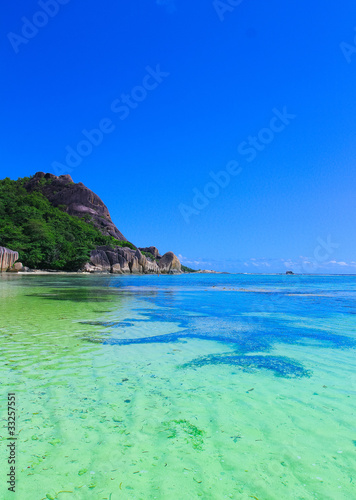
(223, 386)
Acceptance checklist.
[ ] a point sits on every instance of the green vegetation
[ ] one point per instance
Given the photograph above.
(186, 269)
(149, 256)
(127, 244)
(46, 237)
(183, 429)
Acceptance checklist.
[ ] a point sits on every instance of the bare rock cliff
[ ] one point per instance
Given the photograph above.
(77, 199)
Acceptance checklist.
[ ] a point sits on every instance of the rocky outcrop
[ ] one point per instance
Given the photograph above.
(99, 259)
(123, 260)
(7, 258)
(17, 267)
(169, 263)
(76, 199)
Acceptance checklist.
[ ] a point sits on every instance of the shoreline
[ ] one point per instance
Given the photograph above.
(39, 272)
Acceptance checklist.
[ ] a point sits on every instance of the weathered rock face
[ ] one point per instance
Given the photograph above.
(98, 258)
(125, 260)
(78, 200)
(169, 263)
(7, 258)
(16, 268)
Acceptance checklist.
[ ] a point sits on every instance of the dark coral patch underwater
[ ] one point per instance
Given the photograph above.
(244, 335)
(279, 365)
(247, 338)
(249, 324)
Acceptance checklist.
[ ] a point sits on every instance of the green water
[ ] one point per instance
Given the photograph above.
(144, 387)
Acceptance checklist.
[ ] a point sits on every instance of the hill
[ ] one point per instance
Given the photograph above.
(56, 224)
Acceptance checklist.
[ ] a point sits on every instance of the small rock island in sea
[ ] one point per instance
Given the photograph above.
(52, 223)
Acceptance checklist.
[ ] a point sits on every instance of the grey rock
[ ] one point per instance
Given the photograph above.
(124, 260)
(112, 257)
(77, 199)
(7, 258)
(169, 263)
(142, 260)
(116, 269)
(99, 259)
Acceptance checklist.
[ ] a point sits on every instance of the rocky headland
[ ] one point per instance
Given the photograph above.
(76, 200)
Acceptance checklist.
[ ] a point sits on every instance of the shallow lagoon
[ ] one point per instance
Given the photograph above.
(192, 386)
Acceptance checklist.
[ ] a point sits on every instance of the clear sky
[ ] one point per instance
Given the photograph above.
(262, 92)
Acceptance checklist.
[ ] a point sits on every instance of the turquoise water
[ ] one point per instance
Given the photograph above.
(180, 387)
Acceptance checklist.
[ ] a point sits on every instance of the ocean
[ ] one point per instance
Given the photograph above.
(207, 386)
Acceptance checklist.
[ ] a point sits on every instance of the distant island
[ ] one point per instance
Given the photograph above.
(51, 223)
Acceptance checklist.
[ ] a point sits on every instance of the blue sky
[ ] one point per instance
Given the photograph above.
(227, 128)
